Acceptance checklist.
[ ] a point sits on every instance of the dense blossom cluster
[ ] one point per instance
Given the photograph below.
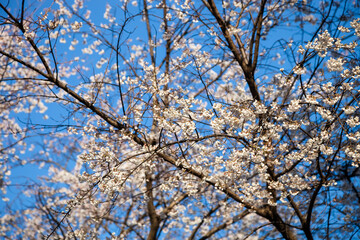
(185, 127)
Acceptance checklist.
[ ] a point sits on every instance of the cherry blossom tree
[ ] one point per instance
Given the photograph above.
(180, 119)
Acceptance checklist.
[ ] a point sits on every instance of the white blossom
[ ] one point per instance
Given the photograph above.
(299, 70)
(321, 44)
(335, 65)
(353, 121)
(349, 109)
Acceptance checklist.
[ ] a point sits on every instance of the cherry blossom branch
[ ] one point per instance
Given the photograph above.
(220, 227)
(241, 57)
(154, 217)
(207, 215)
(256, 40)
